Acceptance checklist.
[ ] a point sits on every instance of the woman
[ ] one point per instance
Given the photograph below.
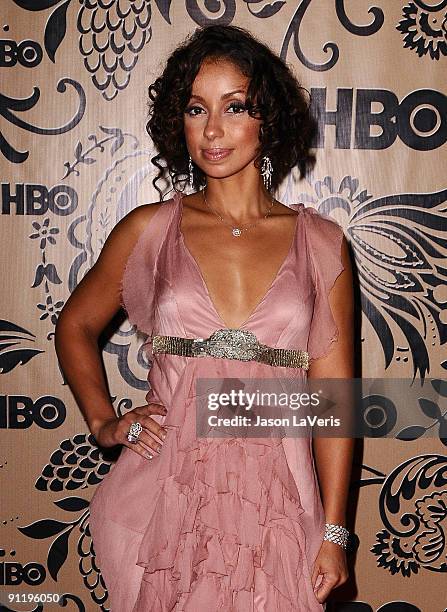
(189, 523)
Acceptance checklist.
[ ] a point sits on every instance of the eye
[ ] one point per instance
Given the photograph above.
(238, 107)
(191, 111)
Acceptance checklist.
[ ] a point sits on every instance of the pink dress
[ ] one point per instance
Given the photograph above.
(216, 524)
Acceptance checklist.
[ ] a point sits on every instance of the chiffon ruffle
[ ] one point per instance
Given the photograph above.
(226, 532)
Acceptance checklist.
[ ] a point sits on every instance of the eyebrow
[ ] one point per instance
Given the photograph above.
(227, 95)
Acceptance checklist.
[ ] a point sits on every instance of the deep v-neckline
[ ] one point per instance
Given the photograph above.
(199, 274)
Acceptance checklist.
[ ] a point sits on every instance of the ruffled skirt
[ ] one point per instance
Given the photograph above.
(225, 534)
(211, 524)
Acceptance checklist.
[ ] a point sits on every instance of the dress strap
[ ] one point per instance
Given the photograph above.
(137, 291)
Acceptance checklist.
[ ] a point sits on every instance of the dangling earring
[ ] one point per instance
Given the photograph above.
(191, 173)
(266, 172)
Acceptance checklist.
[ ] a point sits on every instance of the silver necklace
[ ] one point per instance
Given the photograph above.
(237, 231)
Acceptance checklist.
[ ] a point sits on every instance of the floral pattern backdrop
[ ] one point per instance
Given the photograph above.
(75, 160)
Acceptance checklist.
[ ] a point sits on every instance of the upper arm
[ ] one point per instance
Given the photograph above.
(339, 362)
(96, 298)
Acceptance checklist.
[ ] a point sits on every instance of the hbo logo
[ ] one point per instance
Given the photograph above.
(13, 574)
(33, 199)
(28, 53)
(20, 412)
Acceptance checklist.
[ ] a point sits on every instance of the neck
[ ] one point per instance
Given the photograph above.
(236, 201)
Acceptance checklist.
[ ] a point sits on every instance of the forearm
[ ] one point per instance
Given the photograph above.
(333, 459)
(80, 360)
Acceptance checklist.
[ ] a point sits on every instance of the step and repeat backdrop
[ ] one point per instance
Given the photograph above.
(75, 160)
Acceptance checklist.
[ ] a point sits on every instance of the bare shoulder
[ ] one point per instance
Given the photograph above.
(322, 225)
(284, 209)
(97, 297)
(132, 225)
(136, 221)
(125, 235)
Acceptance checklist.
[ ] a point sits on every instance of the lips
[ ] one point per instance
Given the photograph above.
(216, 154)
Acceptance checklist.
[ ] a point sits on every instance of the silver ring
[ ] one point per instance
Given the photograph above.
(134, 432)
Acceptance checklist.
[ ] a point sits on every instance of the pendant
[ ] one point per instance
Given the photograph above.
(236, 231)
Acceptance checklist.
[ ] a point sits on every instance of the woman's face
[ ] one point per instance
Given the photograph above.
(221, 137)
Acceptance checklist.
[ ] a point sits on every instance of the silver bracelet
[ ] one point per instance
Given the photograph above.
(337, 534)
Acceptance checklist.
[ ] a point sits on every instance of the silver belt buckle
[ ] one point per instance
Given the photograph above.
(234, 344)
(199, 347)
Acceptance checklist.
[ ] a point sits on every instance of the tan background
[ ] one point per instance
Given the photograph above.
(48, 473)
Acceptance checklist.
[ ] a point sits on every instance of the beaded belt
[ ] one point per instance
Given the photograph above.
(239, 344)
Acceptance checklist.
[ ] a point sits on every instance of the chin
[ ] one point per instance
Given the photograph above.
(222, 172)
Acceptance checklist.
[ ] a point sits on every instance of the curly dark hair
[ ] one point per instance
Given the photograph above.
(274, 96)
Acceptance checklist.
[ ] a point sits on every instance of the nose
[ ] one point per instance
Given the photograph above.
(213, 128)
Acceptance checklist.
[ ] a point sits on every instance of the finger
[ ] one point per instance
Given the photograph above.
(153, 427)
(315, 574)
(149, 426)
(157, 408)
(322, 592)
(150, 444)
(140, 450)
(147, 422)
(151, 409)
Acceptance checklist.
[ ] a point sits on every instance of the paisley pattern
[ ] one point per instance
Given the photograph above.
(400, 248)
(413, 508)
